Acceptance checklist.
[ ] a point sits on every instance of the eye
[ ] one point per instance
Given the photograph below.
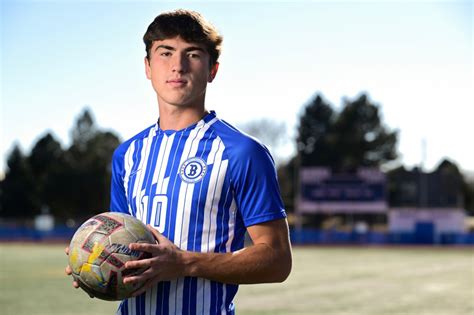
(194, 55)
(165, 54)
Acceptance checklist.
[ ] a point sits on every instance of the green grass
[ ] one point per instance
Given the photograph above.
(324, 280)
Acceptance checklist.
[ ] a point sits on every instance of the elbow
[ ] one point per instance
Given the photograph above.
(286, 272)
(284, 268)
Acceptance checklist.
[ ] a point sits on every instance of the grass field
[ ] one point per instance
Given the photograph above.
(324, 280)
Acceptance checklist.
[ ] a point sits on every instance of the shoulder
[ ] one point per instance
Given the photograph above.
(237, 143)
(241, 149)
(122, 149)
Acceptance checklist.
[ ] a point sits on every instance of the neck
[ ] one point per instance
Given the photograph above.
(177, 118)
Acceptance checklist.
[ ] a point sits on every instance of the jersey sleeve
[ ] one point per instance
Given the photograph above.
(255, 184)
(118, 199)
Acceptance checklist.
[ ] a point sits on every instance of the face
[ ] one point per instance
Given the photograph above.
(179, 72)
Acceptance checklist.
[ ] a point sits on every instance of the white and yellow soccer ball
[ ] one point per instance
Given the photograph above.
(99, 250)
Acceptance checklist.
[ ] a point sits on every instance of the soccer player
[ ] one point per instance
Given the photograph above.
(199, 183)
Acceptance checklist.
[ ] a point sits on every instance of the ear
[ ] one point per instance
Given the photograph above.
(147, 68)
(213, 72)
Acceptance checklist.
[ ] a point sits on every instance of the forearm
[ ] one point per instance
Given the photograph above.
(258, 263)
(267, 260)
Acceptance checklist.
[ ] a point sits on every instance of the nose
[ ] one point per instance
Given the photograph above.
(180, 63)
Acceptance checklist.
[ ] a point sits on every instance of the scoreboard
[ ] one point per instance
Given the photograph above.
(322, 191)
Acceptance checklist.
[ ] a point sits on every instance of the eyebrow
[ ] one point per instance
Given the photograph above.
(191, 48)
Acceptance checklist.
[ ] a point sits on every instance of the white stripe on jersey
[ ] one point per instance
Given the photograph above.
(132, 305)
(231, 224)
(128, 168)
(172, 297)
(145, 153)
(151, 300)
(162, 161)
(224, 296)
(212, 154)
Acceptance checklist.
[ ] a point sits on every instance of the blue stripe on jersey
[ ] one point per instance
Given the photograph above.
(165, 309)
(174, 156)
(213, 307)
(159, 298)
(124, 307)
(138, 304)
(197, 217)
(186, 295)
(239, 234)
(192, 298)
(222, 233)
(231, 290)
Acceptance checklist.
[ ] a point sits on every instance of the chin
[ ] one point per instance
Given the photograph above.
(180, 103)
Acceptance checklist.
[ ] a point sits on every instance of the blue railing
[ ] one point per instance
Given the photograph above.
(298, 237)
(314, 236)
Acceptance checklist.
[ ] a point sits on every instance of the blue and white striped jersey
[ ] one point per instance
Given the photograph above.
(200, 187)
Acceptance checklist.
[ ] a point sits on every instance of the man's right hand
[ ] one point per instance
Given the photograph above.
(68, 269)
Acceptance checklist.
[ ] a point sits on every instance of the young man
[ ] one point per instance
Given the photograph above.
(199, 183)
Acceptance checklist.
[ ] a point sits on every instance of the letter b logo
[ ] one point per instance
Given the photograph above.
(193, 170)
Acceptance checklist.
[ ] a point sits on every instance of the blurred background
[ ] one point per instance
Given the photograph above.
(365, 106)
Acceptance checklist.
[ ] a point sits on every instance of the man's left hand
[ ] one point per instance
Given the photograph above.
(165, 263)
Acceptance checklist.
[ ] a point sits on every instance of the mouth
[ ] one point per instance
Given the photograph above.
(177, 82)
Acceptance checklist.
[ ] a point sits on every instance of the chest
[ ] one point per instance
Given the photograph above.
(178, 182)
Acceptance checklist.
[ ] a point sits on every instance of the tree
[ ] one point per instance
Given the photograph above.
(72, 183)
(88, 168)
(48, 165)
(344, 141)
(469, 197)
(18, 198)
(84, 130)
(45, 155)
(362, 138)
(316, 139)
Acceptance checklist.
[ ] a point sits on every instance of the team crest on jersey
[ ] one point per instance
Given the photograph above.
(193, 170)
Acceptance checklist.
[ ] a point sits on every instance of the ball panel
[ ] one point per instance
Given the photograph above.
(139, 230)
(123, 290)
(123, 237)
(108, 223)
(92, 276)
(94, 238)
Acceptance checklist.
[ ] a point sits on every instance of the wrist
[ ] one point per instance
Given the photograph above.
(189, 263)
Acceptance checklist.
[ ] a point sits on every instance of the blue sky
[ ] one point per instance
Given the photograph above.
(415, 59)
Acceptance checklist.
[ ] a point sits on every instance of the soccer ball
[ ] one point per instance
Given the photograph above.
(99, 251)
